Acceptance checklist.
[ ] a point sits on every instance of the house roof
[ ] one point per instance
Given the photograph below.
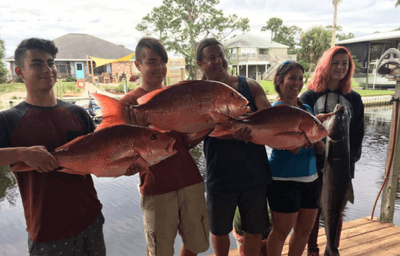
(376, 38)
(248, 40)
(76, 46)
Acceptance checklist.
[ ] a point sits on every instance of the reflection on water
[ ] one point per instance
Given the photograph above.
(8, 187)
(123, 229)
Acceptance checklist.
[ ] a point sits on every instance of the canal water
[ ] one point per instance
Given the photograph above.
(123, 229)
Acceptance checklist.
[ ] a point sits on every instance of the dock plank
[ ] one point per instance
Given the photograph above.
(359, 237)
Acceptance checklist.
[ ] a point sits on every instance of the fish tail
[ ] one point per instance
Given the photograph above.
(21, 167)
(350, 193)
(331, 250)
(114, 112)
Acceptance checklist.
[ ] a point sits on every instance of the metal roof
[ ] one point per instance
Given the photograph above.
(376, 38)
(248, 40)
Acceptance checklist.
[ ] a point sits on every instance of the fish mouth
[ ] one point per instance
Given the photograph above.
(170, 146)
(237, 112)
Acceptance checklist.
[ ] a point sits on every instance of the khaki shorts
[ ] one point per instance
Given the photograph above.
(184, 210)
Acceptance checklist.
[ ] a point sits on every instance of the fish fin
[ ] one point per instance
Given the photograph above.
(21, 167)
(219, 118)
(222, 124)
(350, 193)
(135, 168)
(155, 127)
(113, 111)
(220, 130)
(68, 144)
(145, 98)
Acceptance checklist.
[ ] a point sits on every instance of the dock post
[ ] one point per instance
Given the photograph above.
(392, 182)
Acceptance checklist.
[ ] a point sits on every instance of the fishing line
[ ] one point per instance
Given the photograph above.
(391, 157)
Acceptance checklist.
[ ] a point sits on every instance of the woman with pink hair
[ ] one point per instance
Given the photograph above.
(331, 85)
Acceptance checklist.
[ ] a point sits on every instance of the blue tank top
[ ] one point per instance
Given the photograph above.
(234, 166)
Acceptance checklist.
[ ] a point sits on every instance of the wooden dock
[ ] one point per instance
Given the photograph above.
(359, 237)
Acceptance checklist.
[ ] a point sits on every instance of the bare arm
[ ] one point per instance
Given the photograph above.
(258, 93)
(37, 157)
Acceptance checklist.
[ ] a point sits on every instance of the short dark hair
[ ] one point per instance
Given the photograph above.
(34, 44)
(203, 44)
(281, 72)
(151, 43)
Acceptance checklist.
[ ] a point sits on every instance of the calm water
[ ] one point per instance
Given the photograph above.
(123, 228)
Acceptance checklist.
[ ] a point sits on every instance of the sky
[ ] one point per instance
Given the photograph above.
(115, 20)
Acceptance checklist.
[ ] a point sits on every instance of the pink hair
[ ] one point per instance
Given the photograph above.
(319, 82)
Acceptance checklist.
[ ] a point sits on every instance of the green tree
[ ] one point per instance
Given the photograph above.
(397, 3)
(342, 36)
(313, 44)
(3, 70)
(181, 24)
(282, 34)
(289, 36)
(273, 25)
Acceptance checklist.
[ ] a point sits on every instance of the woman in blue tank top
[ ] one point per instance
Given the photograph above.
(293, 193)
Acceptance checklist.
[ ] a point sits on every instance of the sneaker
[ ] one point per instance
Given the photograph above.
(313, 251)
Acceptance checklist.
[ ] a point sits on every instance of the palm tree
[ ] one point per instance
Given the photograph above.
(398, 3)
(335, 4)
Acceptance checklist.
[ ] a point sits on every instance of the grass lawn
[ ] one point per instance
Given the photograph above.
(17, 87)
(269, 89)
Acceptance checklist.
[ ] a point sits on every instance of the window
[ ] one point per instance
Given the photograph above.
(234, 53)
(61, 67)
(249, 52)
(79, 66)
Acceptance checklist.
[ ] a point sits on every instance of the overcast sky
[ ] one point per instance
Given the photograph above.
(115, 20)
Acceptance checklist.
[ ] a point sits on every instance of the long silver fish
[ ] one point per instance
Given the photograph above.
(337, 188)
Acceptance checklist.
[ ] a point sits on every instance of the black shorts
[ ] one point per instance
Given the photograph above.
(290, 196)
(252, 207)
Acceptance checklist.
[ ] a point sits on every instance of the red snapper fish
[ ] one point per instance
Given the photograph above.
(185, 107)
(112, 151)
(280, 127)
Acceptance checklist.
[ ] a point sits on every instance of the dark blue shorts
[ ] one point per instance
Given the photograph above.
(252, 207)
(290, 196)
(90, 242)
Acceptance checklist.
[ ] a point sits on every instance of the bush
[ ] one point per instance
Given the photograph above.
(70, 79)
(120, 87)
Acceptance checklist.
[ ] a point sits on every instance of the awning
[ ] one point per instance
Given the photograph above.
(100, 61)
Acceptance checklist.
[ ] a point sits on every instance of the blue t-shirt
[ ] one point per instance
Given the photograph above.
(284, 164)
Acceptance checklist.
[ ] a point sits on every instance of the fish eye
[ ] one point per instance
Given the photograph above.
(153, 136)
(316, 121)
(233, 94)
